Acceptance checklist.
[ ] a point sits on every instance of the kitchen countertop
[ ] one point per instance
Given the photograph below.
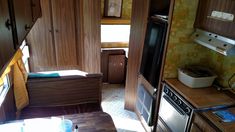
(223, 126)
(202, 98)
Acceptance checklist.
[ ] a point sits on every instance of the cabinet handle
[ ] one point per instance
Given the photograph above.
(8, 24)
(27, 28)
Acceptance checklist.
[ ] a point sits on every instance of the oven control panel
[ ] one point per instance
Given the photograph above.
(177, 100)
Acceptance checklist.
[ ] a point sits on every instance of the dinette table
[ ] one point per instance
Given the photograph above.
(83, 122)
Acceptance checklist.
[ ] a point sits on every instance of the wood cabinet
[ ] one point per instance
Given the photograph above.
(55, 33)
(105, 61)
(63, 15)
(40, 40)
(67, 36)
(6, 39)
(36, 9)
(116, 70)
(199, 124)
(16, 19)
(22, 18)
(218, 26)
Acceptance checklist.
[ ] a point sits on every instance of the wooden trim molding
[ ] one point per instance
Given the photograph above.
(114, 45)
(137, 36)
(109, 21)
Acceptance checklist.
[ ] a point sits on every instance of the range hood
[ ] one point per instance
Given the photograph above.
(223, 45)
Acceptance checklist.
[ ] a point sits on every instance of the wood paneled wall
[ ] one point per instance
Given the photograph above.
(138, 28)
(90, 38)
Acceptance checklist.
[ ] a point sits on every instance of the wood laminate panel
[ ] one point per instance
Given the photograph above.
(91, 20)
(93, 122)
(116, 69)
(23, 18)
(7, 108)
(79, 35)
(6, 39)
(9, 105)
(223, 126)
(136, 43)
(202, 98)
(199, 124)
(63, 13)
(110, 21)
(2, 115)
(205, 9)
(38, 112)
(40, 40)
(64, 90)
(36, 9)
(105, 61)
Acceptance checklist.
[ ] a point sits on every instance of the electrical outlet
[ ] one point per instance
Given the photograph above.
(228, 16)
(216, 14)
(233, 85)
(222, 15)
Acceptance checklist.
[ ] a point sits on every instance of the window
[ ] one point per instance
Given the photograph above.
(4, 88)
(115, 33)
(5, 83)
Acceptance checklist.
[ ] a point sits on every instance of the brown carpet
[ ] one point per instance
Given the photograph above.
(37, 112)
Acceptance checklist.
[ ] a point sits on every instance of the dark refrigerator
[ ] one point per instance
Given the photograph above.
(151, 66)
(153, 50)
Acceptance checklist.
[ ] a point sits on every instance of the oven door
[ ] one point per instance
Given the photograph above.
(172, 115)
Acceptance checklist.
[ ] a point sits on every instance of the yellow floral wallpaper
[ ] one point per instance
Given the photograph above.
(183, 51)
(126, 9)
(224, 67)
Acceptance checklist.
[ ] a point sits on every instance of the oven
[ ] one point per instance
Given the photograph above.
(174, 112)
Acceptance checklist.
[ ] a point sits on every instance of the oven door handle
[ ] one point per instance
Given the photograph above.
(177, 108)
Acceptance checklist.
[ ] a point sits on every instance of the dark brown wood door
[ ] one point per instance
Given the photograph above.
(116, 70)
(6, 39)
(23, 18)
(36, 9)
(40, 40)
(63, 14)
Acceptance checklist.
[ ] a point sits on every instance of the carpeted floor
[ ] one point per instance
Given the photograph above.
(113, 104)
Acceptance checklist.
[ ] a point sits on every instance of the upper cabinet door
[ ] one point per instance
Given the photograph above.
(36, 10)
(40, 40)
(63, 14)
(6, 39)
(206, 21)
(23, 18)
